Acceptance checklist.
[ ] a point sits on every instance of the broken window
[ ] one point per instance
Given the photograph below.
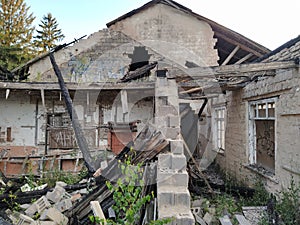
(60, 132)
(8, 134)
(219, 121)
(262, 133)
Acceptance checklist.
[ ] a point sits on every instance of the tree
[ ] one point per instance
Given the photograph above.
(49, 34)
(16, 32)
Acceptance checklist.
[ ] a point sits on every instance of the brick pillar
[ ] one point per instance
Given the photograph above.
(172, 178)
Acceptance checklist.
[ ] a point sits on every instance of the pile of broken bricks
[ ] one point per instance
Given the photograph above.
(48, 209)
(207, 216)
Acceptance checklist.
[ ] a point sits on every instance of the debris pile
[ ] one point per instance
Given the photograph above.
(206, 214)
(73, 204)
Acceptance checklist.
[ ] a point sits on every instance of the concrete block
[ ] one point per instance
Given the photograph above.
(25, 206)
(31, 210)
(178, 179)
(166, 110)
(225, 220)
(12, 215)
(165, 198)
(46, 223)
(161, 121)
(60, 183)
(208, 218)
(176, 146)
(173, 121)
(56, 195)
(199, 220)
(185, 219)
(178, 162)
(183, 198)
(197, 211)
(242, 220)
(170, 132)
(63, 205)
(164, 160)
(25, 220)
(56, 216)
(42, 203)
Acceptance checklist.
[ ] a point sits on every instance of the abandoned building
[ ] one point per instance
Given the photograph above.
(209, 90)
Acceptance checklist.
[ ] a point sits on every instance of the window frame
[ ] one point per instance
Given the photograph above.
(217, 142)
(253, 117)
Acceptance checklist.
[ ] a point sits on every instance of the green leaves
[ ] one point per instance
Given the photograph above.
(49, 34)
(16, 31)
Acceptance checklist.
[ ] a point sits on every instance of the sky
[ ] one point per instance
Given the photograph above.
(268, 22)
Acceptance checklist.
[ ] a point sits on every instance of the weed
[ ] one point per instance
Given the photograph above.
(288, 205)
(127, 195)
(225, 203)
(11, 203)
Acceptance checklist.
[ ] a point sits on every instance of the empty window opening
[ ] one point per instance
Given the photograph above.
(139, 58)
(219, 119)
(8, 134)
(262, 133)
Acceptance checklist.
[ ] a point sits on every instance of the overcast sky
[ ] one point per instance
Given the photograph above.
(268, 22)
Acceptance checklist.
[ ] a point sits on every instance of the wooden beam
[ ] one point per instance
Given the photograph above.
(97, 211)
(244, 58)
(244, 47)
(231, 55)
(43, 96)
(80, 138)
(238, 69)
(76, 86)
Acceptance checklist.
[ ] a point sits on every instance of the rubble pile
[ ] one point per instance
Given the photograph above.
(49, 208)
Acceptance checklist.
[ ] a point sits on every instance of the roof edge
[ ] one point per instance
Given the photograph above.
(288, 44)
(215, 26)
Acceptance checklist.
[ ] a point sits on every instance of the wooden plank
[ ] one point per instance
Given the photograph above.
(244, 47)
(231, 55)
(80, 138)
(244, 58)
(225, 220)
(196, 165)
(237, 69)
(242, 220)
(98, 213)
(76, 86)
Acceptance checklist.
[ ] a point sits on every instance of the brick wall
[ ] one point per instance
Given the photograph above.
(172, 33)
(285, 86)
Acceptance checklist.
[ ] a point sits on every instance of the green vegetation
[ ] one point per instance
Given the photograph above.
(17, 41)
(11, 203)
(49, 35)
(288, 205)
(16, 32)
(128, 195)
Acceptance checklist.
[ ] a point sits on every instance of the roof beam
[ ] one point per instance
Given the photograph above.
(244, 58)
(237, 69)
(234, 42)
(76, 86)
(231, 55)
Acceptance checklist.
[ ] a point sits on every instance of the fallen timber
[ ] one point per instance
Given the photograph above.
(80, 138)
(147, 145)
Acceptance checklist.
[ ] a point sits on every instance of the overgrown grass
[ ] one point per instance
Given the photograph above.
(52, 177)
(288, 205)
